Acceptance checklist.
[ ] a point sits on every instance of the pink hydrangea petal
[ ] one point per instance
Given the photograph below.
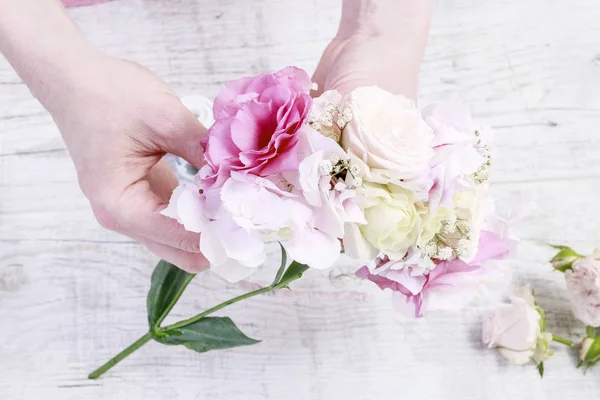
(414, 284)
(382, 282)
(491, 246)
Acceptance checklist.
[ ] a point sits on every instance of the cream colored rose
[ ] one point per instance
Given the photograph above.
(472, 206)
(432, 224)
(387, 136)
(392, 219)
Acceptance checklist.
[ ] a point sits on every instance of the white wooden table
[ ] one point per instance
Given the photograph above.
(73, 294)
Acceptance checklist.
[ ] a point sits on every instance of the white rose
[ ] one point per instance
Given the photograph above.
(392, 219)
(388, 136)
(583, 288)
(515, 329)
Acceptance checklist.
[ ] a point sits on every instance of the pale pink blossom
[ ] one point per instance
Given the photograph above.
(302, 209)
(515, 329)
(451, 285)
(456, 158)
(583, 289)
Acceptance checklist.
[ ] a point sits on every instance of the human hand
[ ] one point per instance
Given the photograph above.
(118, 119)
(379, 42)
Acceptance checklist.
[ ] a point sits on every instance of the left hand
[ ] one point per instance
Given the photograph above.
(379, 42)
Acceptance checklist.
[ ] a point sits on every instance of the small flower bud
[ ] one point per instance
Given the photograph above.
(426, 262)
(325, 167)
(326, 120)
(444, 253)
(563, 260)
(430, 248)
(589, 351)
(347, 114)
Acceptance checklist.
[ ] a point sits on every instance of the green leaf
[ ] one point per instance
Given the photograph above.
(282, 267)
(209, 333)
(167, 286)
(540, 369)
(542, 318)
(294, 271)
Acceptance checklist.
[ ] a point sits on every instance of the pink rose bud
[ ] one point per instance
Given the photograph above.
(563, 260)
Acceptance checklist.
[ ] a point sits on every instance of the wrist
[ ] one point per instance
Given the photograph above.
(384, 18)
(43, 45)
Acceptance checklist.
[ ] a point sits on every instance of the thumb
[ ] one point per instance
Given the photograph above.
(183, 136)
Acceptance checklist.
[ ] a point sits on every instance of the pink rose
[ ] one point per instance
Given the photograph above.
(257, 121)
(583, 289)
(516, 329)
(449, 286)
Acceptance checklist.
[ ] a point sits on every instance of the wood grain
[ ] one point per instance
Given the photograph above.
(73, 294)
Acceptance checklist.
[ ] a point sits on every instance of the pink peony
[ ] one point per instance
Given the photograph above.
(257, 121)
(583, 288)
(451, 285)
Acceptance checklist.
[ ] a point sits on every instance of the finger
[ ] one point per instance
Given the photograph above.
(138, 214)
(190, 262)
(162, 180)
(182, 134)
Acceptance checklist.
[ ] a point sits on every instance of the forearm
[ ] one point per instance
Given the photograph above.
(385, 18)
(394, 34)
(43, 45)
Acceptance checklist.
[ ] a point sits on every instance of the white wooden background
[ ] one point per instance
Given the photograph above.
(73, 294)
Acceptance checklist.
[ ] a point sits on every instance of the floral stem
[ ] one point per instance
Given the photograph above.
(121, 356)
(148, 336)
(590, 332)
(211, 310)
(564, 341)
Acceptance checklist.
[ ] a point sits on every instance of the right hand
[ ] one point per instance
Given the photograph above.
(118, 120)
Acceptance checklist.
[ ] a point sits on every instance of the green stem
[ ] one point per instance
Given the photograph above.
(590, 331)
(121, 356)
(211, 310)
(562, 340)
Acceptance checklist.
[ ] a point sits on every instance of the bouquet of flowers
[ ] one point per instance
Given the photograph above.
(401, 190)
